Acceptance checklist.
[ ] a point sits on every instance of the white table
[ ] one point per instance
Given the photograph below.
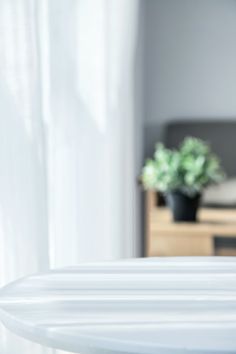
(141, 306)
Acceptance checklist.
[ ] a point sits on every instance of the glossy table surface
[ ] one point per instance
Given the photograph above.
(142, 306)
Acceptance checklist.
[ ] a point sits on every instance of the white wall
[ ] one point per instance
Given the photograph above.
(190, 59)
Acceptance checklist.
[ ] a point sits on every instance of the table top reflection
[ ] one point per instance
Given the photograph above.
(139, 306)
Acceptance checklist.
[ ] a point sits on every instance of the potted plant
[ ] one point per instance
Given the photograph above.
(181, 175)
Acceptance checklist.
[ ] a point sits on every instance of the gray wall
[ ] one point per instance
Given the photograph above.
(189, 62)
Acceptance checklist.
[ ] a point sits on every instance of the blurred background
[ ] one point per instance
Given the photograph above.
(87, 89)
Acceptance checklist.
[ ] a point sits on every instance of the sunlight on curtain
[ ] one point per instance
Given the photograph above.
(67, 137)
(23, 200)
(91, 130)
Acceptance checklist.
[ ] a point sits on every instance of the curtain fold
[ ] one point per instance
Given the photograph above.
(90, 130)
(67, 137)
(23, 195)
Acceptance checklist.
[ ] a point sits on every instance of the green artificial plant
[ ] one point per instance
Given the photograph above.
(188, 170)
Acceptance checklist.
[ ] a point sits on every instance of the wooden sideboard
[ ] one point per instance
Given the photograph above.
(167, 238)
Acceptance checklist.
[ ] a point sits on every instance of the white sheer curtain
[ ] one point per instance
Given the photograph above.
(67, 136)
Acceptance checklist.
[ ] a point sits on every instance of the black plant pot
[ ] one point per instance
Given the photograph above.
(183, 207)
